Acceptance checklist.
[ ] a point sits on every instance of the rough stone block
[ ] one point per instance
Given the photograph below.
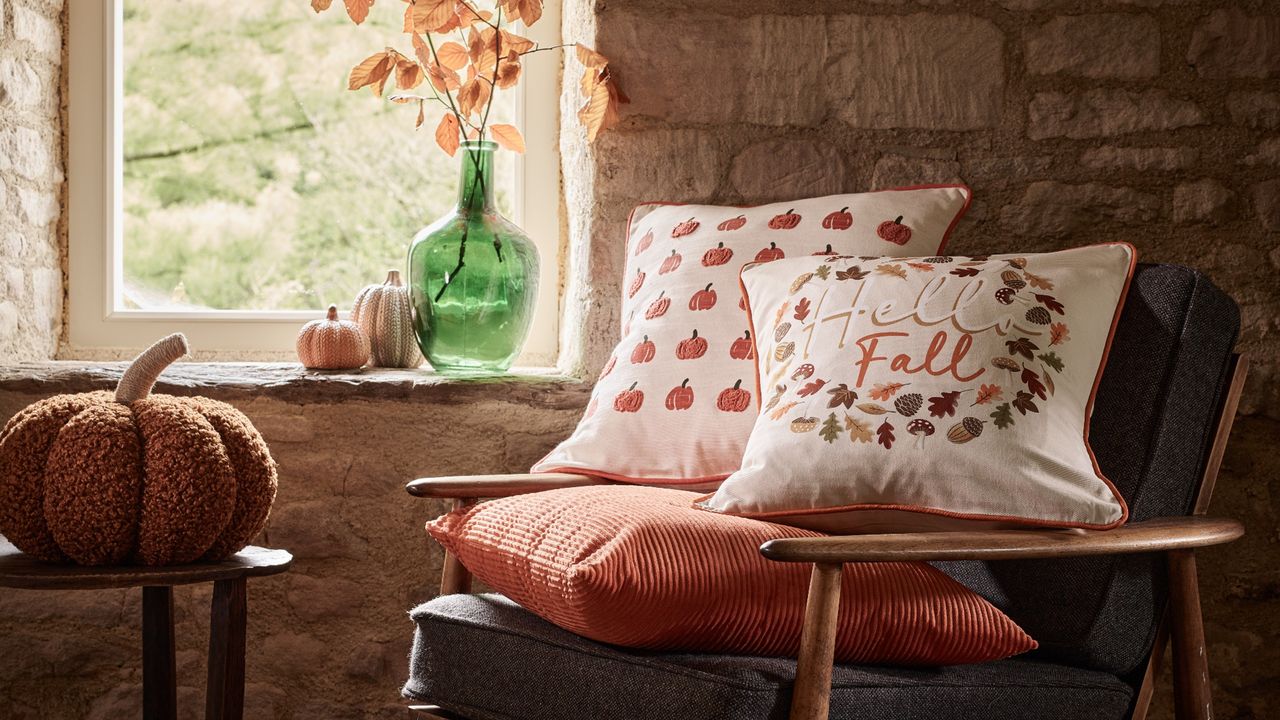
(43, 32)
(39, 207)
(1268, 153)
(293, 655)
(955, 64)
(702, 68)
(1142, 159)
(1203, 201)
(780, 169)
(1266, 202)
(317, 600)
(1259, 110)
(23, 151)
(1109, 45)
(1054, 209)
(46, 296)
(1232, 43)
(20, 86)
(902, 171)
(1102, 113)
(683, 165)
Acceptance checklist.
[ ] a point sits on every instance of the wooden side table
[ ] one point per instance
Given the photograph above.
(224, 696)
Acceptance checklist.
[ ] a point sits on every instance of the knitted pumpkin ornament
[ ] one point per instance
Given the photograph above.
(100, 479)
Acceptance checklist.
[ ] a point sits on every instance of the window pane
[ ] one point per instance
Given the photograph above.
(253, 180)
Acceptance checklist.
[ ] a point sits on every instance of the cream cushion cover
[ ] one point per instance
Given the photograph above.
(674, 404)
(908, 394)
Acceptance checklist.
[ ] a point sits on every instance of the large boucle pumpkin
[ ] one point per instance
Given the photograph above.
(100, 479)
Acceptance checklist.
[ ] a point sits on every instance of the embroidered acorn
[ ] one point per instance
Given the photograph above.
(965, 430)
(804, 424)
(908, 404)
(1039, 316)
(1020, 263)
(1004, 295)
(784, 351)
(1013, 280)
(804, 372)
(938, 260)
(781, 331)
(921, 428)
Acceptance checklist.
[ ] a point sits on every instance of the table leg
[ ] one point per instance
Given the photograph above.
(159, 677)
(225, 691)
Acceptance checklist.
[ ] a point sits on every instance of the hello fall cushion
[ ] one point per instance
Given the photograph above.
(911, 393)
(675, 402)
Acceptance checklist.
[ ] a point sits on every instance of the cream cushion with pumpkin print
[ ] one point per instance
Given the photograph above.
(929, 393)
(675, 403)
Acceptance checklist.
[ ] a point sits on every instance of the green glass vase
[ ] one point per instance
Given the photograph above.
(473, 278)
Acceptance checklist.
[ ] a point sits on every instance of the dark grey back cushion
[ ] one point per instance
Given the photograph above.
(1153, 421)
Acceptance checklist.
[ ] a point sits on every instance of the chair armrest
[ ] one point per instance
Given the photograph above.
(1158, 535)
(494, 486)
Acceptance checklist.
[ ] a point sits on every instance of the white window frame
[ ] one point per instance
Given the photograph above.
(99, 324)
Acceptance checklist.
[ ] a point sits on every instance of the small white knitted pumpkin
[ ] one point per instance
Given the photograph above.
(332, 344)
(384, 313)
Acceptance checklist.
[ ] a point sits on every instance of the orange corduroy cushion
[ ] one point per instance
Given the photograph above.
(639, 567)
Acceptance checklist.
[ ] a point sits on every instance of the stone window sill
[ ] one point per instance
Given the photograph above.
(289, 382)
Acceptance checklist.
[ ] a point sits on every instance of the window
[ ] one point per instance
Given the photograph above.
(223, 181)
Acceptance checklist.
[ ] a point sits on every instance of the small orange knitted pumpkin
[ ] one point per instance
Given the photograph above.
(332, 344)
(99, 479)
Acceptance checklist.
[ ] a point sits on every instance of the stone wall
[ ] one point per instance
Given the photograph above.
(31, 178)
(1074, 121)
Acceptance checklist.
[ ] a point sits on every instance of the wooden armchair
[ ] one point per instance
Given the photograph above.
(1145, 562)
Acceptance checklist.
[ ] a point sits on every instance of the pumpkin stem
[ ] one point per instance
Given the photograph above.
(141, 375)
(897, 220)
(332, 314)
(393, 278)
(737, 385)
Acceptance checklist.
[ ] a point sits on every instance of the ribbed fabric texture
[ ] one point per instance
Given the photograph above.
(640, 567)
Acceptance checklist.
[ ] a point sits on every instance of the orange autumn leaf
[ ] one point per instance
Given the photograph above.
(468, 16)
(422, 115)
(452, 55)
(447, 133)
(884, 391)
(782, 410)
(509, 70)
(527, 11)
(600, 111)
(892, 269)
(373, 70)
(508, 137)
(988, 393)
(321, 5)
(427, 16)
(519, 43)
(357, 10)
(1059, 333)
(590, 58)
(409, 74)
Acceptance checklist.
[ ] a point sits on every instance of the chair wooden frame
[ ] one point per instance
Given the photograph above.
(1176, 537)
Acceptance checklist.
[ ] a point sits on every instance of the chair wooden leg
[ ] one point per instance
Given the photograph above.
(224, 693)
(159, 673)
(811, 694)
(455, 578)
(1192, 699)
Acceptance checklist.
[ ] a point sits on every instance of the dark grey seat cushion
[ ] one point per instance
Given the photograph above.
(1153, 421)
(484, 657)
